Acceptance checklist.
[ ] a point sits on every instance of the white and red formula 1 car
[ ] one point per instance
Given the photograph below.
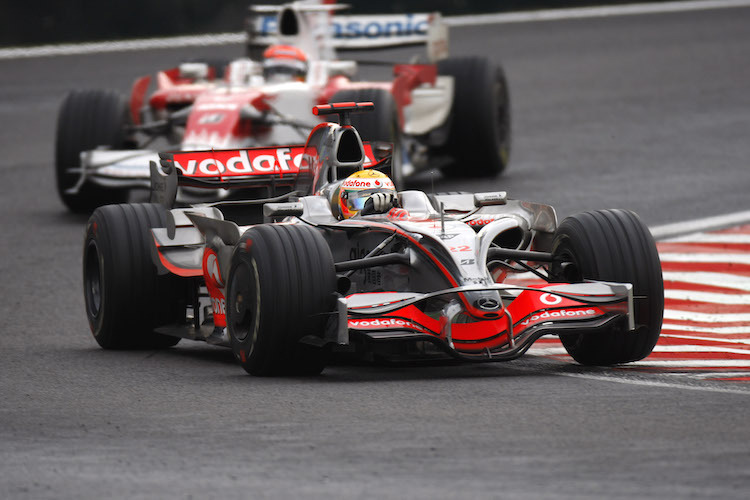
(102, 147)
(288, 288)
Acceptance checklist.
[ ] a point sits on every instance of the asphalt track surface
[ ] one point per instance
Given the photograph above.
(647, 112)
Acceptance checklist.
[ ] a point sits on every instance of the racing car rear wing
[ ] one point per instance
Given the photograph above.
(296, 22)
(275, 168)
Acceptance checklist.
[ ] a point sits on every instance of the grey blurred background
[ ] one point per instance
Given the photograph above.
(53, 21)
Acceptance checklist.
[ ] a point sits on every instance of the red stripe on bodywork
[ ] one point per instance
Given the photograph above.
(179, 271)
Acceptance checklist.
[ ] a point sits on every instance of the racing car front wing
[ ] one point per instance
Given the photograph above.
(531, 312)
(121, 169)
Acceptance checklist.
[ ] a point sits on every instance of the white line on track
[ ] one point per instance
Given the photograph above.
(548, 351)
(700, 348)
(713, 298)
(722, 374)
(706, 339)
(724, 280)
(717, 258)
(678, 314)
(653, 383)
(690, 363)
(471, 20)
(718, 330)
(741, 238)
(716, 222)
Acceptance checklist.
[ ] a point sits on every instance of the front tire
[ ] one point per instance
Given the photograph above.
(479, 137)
(281, 289)
(126, 299)
(612, 245)
(87, 120)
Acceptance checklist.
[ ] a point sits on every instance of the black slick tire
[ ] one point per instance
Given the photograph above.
(381, 124)
(87, 120)
(281, 289)
(479, 137)
(612, 245)
(126, 298)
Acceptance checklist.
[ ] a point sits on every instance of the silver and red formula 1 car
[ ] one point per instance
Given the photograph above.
(288, 287)
(103, 139)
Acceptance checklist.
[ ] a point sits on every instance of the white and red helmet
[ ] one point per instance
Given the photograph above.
(358, 187)
(284, 62)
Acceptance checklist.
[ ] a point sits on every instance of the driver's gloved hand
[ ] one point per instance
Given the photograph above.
(379, 203)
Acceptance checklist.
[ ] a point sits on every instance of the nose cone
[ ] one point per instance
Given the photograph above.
(486, 303)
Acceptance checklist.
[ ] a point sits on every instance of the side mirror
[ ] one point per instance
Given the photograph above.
(272, 211)
(163, 183)
(489, 199)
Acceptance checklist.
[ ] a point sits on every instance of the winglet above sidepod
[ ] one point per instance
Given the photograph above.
(163, 184)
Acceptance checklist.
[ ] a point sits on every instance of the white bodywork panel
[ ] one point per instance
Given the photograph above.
(430, 106)
(287, 98)
(129, 164)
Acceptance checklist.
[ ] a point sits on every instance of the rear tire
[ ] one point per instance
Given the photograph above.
(612, 245)
(281, 288)
(89, 119)
(381, 124)
(479, 137)
(126, 298)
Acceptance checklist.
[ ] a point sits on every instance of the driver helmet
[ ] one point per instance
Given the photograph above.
(284, 63)
(358, 187)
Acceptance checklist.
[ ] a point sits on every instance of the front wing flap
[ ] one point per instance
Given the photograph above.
(527, 314)
(114, 168)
